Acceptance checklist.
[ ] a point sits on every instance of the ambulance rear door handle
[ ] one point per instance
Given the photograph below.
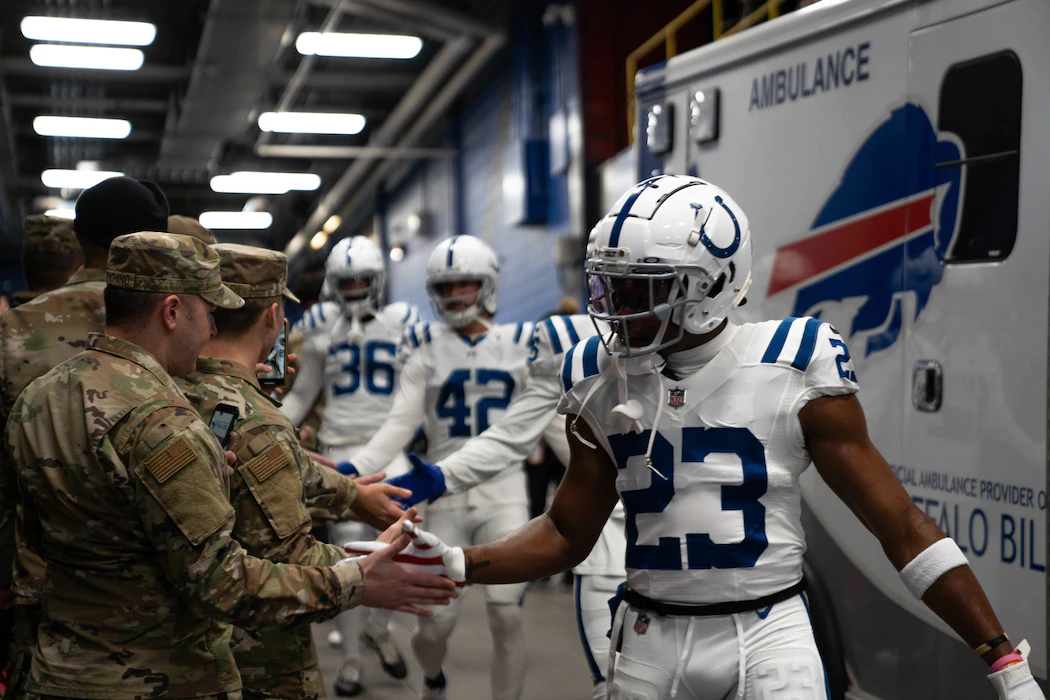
(926, 386)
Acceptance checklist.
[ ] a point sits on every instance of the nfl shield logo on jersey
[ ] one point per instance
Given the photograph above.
(676, 397)
(641, 624)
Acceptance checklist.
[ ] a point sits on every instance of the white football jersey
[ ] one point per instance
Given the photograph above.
(721, 521)
(360, 369)
(533, 415)
(455, 388)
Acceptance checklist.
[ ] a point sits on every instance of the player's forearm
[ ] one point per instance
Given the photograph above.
(957, 598)
(535, 550)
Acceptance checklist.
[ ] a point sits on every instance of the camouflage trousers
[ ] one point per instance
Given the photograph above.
(306, 684)
(26, 619)
(235, 695)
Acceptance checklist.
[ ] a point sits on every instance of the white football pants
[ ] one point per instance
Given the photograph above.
(593, 620)
(768, 654)
(460, 528)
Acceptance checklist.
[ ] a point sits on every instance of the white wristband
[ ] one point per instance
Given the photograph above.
(930, 564)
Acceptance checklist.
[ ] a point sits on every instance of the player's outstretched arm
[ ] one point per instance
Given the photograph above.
(836, 436)
(564, 535)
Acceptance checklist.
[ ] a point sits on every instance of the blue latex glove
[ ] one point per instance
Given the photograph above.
(347, 468)
(425, 481)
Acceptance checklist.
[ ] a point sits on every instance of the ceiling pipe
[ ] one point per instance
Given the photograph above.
(436, 15)
(437, 107)
(392, 127)
(347, 152)
(303, 70)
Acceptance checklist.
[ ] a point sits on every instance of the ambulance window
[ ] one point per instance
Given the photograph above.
(981, 104)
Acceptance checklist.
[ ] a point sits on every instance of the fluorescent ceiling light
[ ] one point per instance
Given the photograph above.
(334, 222)
(358, 45)
(318, 240)
(243, 220)
(311, 123)
(75, 179)
(249, 182)
(93, 57)
(82, 127)
(62, 213)
(89, 31)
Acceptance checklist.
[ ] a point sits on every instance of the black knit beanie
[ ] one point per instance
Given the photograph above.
(118, 206)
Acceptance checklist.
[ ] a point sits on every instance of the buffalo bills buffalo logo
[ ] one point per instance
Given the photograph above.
(882, 234)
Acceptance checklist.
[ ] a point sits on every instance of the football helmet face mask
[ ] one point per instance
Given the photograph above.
(674, 249)
(355, 276)
(463, 259)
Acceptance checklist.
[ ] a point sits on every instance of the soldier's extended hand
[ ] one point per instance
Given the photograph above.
(375, 504)
(387, 585)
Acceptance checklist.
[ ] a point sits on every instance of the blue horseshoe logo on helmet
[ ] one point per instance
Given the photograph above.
(729, 249)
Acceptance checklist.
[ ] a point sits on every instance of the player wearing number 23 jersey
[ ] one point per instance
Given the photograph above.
(702, 428)
(716, 518)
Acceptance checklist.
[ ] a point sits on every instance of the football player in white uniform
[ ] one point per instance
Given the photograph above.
(531, 416)
(349, 351)
(457, 379)
(704, 427)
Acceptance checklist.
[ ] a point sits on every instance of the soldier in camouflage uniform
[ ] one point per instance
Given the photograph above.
(126, 495)
(50, 256)
(272, 518)
(43, 333)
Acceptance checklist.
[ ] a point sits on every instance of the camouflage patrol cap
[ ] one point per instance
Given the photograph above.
(168, 262)
(254, 272)
(49, 234)
(186, 226)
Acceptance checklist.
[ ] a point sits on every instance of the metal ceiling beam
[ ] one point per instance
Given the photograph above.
(435, 14)
(149, 73)
(363, 195)
(347, 152)
(421, 92)
(398, 22)
(105, 104)
(372, 81)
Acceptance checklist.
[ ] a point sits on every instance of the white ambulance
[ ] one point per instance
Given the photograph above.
(893, 157)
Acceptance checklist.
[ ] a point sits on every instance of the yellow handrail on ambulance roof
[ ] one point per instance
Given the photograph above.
(668, 36)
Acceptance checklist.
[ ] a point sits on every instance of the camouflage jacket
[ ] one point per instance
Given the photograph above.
(272, 482)
(35, 337)
(126, 495)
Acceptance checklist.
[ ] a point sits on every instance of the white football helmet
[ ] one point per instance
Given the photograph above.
(673, 247)
(457, 259)
(356, 258)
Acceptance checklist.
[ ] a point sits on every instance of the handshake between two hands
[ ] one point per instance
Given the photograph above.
(408, 567)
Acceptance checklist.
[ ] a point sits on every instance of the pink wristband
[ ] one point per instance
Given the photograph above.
(1004, 661)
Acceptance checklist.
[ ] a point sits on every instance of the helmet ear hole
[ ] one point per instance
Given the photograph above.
(716, 289)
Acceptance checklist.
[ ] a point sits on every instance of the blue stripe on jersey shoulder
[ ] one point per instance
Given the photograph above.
(776, 346)
(552, 332)
(806, 347)
(566, 370)
(413, 339)
(320, 312)
(574, 337)
(408, 315)
(517, 331)
(426, 332)
(590, 356)
(809, 343)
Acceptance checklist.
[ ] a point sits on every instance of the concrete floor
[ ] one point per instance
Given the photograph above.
(557, 669)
